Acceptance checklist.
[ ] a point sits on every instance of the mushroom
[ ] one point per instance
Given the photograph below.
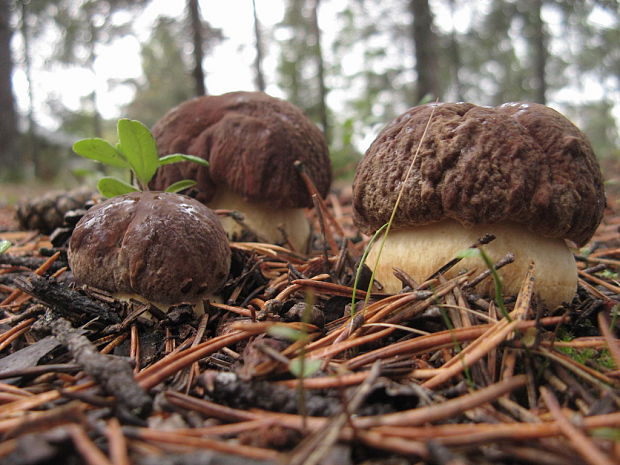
(520, 171)
(251, 141)
(158, 247)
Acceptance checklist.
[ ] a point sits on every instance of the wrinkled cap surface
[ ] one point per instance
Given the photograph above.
(167, 248)
(520, 162)
(251, 141)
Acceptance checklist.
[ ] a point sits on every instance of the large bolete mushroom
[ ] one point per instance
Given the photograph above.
(161, 247)
(520, 171)
(251, 141)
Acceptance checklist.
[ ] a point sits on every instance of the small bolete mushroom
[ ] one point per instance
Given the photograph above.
(251, 141)
(520, 171)
(160, 247)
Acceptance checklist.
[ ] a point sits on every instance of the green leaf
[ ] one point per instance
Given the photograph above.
(180, 185)
(302, 368)
(138, 145)
(109, 187)
(468, 253)
(284, 332)
(178, 157)
(101, 151)
(4, 246)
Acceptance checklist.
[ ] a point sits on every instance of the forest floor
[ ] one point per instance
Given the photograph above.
(432, 375)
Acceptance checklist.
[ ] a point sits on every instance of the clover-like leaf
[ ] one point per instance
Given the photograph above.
(180, 185)
(179, 157)
(137, 144)
(100, 150)
(109, 187)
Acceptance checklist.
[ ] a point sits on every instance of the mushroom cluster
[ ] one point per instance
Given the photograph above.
(160, 247)
(251, 141)
(520, 171)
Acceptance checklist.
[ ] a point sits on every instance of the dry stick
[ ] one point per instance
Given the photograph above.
(156, 373)
(327, 382)
(484, 240)
(312, 190)
(117, 443)
(328, 238)
(19, 406)
(134, 348)
(582, 444)
(200, 332)
(10, 335)
(332, 288)
(446, 409)
(349, 343)
(238, 310)
(599, 281)
(113, 373)
(412, 417)
(472, 433)
(613, 344)
(596, 378)
(40, 270)
(438, 339)
(296, 287)
(225, 447)
(392, 444)
(314, 448)
(87, 448)
(210, 409)
(491, 339)
(227, 429)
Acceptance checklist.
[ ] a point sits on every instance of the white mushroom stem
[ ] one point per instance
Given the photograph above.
(266, 221)
(423, 250)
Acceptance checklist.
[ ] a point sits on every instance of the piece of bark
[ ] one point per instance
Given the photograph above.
(64, 300)
(113, 373)
(26, 357)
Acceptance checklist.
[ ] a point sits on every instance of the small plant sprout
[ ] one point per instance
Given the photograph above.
(136, 150)
(4, 245)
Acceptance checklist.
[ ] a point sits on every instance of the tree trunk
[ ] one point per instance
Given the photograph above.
(539, 52)
(455, 57)
(10, 159)
(31, 149)
(316, 32)
(258, 60)
(92, 57)
(424, 41)
(197, 40)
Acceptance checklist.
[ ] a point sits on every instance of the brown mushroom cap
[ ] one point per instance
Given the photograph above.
(167, 248)
(522, 163)
(251, 141)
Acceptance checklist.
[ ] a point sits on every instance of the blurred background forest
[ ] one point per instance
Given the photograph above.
(70, 68)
